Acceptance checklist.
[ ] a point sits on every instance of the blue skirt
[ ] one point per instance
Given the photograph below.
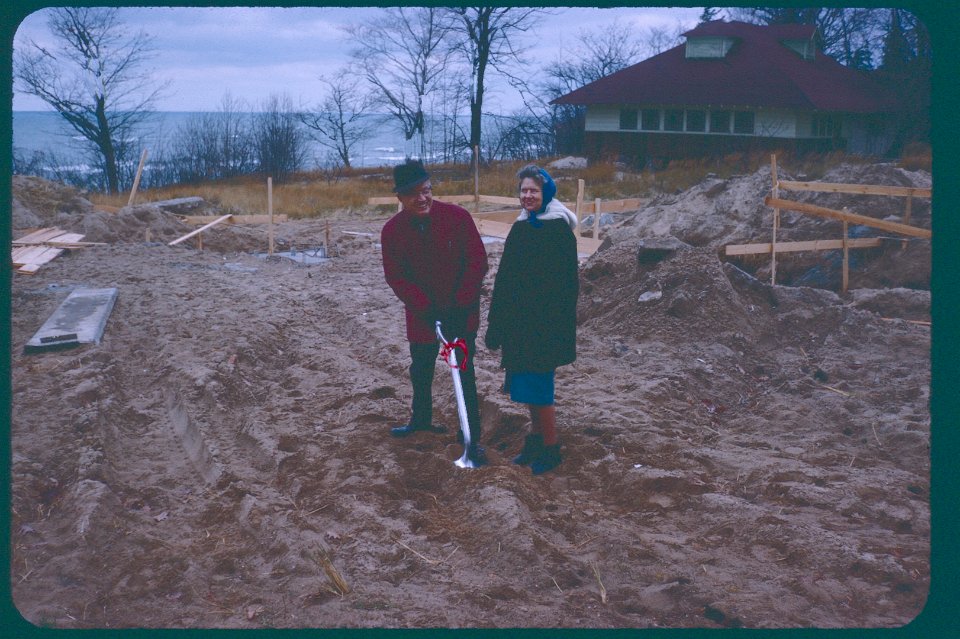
(529, 388)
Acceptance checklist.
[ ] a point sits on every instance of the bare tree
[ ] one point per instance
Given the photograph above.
(280, 145)
(487, 38)
(343, 119)
(94, 79)
(212, 146)
(598, 54)
(853, 36)
(403, 55)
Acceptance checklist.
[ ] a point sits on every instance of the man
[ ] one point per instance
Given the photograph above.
(434, 260)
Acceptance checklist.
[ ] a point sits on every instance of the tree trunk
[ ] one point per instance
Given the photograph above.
(105, 143)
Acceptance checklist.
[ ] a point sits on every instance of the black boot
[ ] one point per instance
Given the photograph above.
(407, 429)
(548, 459)
(532, 444)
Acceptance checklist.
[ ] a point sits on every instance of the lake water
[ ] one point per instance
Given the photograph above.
(47, 132)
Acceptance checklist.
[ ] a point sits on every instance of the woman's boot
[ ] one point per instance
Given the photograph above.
(548, 458)
(532, 444)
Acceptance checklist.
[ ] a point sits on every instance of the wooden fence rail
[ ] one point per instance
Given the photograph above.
(845, 243)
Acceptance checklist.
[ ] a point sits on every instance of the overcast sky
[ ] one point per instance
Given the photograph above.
(256, 52)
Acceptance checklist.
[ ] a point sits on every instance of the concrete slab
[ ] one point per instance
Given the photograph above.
(80, 319)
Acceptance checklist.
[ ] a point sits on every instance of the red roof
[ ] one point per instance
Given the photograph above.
(759, 71)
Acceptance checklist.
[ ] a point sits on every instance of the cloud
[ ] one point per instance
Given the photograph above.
(255, 52)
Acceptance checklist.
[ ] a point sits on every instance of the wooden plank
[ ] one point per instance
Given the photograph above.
(853, 218)
(219, 220)
(585, 245)
(505, 216)
(859, 189)
(499, 199)
(29, 269)
(66, 238)
(237, 219)
(37, 255)
(39, 236)
(619, 206)
(762, 248)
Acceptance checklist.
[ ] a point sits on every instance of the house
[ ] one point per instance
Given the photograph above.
(734, 86)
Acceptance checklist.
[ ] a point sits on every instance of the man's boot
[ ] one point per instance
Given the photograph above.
(407, 429)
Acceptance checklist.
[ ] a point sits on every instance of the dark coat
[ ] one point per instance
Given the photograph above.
(436, 271)
(533, 312)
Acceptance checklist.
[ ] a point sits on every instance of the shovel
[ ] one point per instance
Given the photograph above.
(450, 356)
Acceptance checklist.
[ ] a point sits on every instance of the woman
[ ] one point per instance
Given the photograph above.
(533, 312)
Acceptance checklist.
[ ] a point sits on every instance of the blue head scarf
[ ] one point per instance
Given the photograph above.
(549, 191)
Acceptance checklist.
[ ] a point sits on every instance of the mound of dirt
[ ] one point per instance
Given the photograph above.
(735, 453)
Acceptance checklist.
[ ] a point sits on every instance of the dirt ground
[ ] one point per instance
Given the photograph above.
(736, 454)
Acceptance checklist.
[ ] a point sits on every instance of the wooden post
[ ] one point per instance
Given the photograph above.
(846, 260)
(199, 241)
(596, 218)
(270, 213)
(476, 179)
(136, 180)
(775, 192)
(580, 186)
(326, 241)
(906, 218)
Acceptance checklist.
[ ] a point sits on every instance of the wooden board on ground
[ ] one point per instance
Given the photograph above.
(40, 236)
(219, 220)
(80, 319)
(236, 219)
(35, 249)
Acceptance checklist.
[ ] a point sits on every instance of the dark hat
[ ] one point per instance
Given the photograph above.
(408, 175)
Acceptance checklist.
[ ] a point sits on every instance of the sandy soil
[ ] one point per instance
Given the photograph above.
(736, 454)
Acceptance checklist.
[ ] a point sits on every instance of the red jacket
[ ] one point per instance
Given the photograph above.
(440, 267)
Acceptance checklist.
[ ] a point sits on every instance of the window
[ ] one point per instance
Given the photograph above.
(743, 122)
(651, 120)
(628, 119)
(696, 121)
(719, 122)
(821, 126)
(673, 120)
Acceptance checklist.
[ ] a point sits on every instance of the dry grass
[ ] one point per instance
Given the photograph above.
(320, 194)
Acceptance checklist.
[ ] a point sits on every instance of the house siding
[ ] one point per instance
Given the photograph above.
(768, 123)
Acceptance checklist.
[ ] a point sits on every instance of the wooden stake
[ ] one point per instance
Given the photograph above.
(326, 241)
(775, 192)
(596, 218)
(136, 180)
(270, 213)
(580, 187)
(846, 259)
(906, 217)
